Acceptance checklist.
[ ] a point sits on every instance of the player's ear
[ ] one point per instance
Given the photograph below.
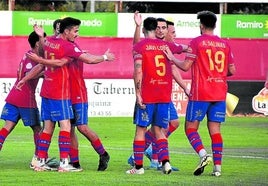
(143, 30)
(37, 44)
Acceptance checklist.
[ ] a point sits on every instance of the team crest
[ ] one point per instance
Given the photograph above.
(198, 113)
(144, 116)
(29, 66)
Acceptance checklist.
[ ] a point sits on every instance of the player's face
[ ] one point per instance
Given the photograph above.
(171, 32)
(161, 30)
(72, 33)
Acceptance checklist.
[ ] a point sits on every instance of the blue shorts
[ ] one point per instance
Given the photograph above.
(80, 114)
(215, 111)
(173, 112)
(29, 116)
(156, 114)
(56, 110)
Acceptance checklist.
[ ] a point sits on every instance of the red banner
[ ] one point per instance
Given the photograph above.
(250, 56)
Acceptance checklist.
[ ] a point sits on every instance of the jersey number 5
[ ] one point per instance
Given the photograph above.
(160, 64)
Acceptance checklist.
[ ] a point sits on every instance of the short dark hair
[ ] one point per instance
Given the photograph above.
(170, 23)
(33, 38)
(55, 23)
(207, 18)
(68, 22)
(160, 19)
(56, 26)
(150, 23)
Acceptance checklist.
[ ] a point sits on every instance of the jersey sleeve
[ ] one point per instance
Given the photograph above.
(137, 55)
(73, 51)
(192, 51)
(175, 48)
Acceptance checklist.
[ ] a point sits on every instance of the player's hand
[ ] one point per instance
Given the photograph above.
(185, 48)
(110, 56)
(137, 18)
(187, 91)
(20, 84)
(39, 30)
(266, 84)
(139, 102)
(33, 56)
(169, 54)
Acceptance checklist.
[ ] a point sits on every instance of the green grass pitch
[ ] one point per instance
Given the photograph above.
(245, 159)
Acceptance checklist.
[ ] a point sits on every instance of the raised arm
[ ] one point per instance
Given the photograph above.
(39, 30)
(138, 21)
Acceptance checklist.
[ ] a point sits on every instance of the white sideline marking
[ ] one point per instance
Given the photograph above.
(176, 152)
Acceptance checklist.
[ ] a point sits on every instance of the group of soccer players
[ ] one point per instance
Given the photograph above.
(64, 97)
(211, 61)
(59, 59)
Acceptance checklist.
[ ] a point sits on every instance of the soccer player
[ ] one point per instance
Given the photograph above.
(79, 101)
(153, 85)
(78, 93)
(26, 109)
(56, 103)
(161, 33)
(211, 61)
